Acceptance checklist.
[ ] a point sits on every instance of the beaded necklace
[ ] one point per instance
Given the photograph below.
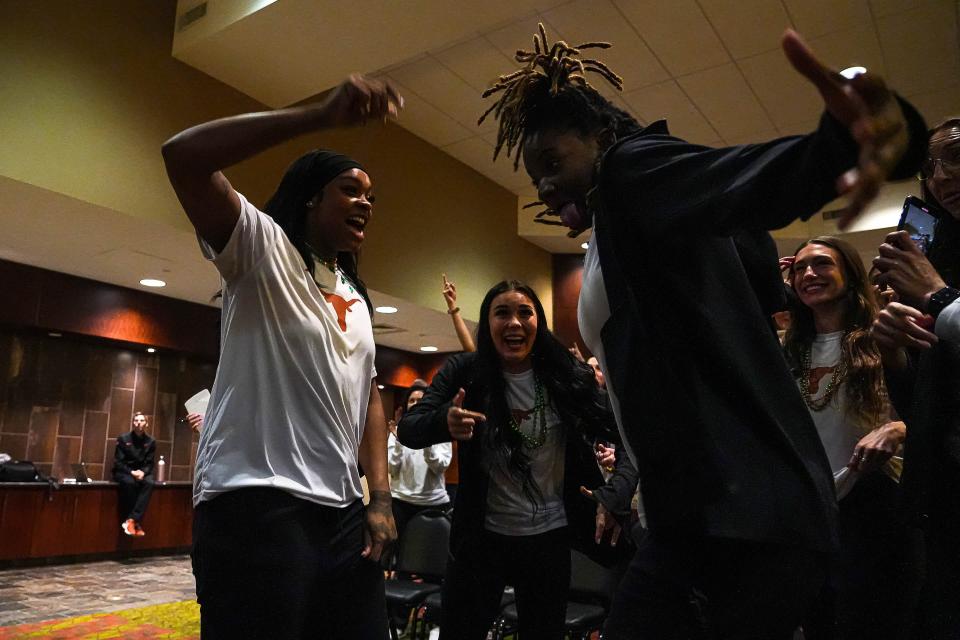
(539, 409)
(836, 379)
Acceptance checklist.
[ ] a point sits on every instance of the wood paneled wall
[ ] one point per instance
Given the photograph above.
(58, 302)
(567, 279)
(65, 400)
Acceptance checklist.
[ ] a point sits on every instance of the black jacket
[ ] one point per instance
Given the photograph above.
(426, 424)
(725, 446)
(133, 454)
(926, 396)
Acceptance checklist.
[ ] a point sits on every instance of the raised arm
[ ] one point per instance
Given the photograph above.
(194, 158)
(463, 333)
(866, 136)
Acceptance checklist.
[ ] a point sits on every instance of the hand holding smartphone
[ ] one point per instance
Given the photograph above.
(919, 220)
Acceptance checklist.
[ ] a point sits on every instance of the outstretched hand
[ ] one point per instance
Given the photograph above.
(461, 422)
(870, 112)
(605, 521)
(359, 99)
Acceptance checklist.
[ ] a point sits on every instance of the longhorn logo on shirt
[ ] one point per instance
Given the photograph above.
(816, 375)
(341, 306)
(519, 415)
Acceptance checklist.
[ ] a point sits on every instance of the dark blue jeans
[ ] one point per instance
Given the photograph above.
(270, 565)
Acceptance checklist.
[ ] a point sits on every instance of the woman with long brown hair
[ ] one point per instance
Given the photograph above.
(839, 372)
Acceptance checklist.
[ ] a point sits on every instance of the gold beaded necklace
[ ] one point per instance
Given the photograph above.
(836, 379)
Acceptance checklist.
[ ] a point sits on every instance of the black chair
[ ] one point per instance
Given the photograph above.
(591, 590)
(423, 552)
(432, 607)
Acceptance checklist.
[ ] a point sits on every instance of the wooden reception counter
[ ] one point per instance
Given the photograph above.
(77, 521)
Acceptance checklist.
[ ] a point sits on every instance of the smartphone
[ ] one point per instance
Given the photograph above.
(919, 221)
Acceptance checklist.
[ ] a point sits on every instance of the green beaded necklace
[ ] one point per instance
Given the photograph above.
(539, 409)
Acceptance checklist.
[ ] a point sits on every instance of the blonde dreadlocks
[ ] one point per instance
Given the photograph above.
(555, 68)
(551, 91)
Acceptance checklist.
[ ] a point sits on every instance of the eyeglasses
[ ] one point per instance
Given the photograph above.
(950, 166)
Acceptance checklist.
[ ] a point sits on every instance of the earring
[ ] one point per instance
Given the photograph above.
(309, 204)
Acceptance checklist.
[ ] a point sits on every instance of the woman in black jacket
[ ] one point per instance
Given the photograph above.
(526, 415)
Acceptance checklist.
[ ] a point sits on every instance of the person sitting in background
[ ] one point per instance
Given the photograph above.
(133, 473)
(838, 370)
(924, 380)
(416, 475)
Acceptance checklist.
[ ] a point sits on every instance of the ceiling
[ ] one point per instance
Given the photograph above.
(103, 244)
(712, 68)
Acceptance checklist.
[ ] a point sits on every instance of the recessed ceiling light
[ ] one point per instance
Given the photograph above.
(153, 282)
(852, 72)
(386, 309)
(151, 350)
(585, 245)
(429, 349)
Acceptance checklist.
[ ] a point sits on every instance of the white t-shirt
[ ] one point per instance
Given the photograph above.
(289, 403)
(839, 432)
(593, 311)
(948, 322)
(416, 475)
(509, 511)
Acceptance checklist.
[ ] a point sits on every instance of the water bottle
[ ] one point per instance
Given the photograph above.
(161, 470)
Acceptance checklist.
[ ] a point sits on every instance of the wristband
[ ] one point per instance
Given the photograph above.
(454, 310)
(940, 300)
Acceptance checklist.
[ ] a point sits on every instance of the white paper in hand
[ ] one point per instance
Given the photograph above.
(198, 402)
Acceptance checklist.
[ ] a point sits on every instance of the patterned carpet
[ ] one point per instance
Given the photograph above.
(179, 620)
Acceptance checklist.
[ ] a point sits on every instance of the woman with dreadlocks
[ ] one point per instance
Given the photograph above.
(735, 483)
(525, 414)
(282, 541)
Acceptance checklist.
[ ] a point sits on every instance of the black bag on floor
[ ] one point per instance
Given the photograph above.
(20, 471)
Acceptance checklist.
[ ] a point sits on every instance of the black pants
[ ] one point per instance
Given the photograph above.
(873, 580)
(938, 612)
(712, 588)
(134, 495)
(538, 568)
(272, 566)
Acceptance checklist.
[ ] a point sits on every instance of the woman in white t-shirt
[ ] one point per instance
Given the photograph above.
(283, 545)
(840, 376)
(417, 480)
(525, 415)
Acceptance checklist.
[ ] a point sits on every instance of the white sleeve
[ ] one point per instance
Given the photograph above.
(948, 322)
(438, 456)
(254, 236)
(394, 454)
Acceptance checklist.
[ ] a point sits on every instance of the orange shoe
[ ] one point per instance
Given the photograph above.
(139, 530)
(129, 527)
